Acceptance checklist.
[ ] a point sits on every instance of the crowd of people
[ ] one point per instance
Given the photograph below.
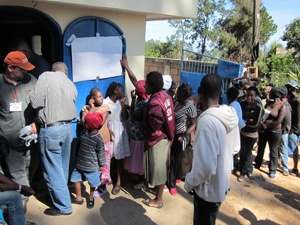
(174, 137)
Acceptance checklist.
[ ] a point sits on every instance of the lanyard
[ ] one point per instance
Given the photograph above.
(14, 94)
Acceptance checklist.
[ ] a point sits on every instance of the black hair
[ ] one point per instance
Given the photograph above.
(155, 80)
(94, 91)
(253, 88)
(210, 86)
(185, 90)
(232, 93)
(111, 89)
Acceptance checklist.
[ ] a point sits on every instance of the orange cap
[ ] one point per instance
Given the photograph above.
(18, 59)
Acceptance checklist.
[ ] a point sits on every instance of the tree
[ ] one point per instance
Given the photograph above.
(292, 35)
(168, 49)
(236, 41)
(277, 68)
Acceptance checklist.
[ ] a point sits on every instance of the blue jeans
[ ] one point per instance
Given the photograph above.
(205, 213)
(284, 151)
(55, 144)
(13, 200)
(292, 144)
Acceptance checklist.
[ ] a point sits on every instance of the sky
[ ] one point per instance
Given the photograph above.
(283, 12)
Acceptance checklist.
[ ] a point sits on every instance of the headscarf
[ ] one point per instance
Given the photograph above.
(140, 87)
(167, 82)
(94, 120)
(279, 92)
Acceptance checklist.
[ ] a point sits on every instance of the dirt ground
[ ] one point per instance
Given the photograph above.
(260, 201)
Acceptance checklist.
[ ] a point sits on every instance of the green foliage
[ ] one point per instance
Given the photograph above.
(170, 49)
(267, 26)
(292, 35)
(278, 69)
(236, 41)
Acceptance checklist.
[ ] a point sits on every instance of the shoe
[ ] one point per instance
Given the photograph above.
(150, 190)
(285, 173)
(55, 212)
(166, 189)
(173, 191)
(100, 191)
(272, 175)
(75, 201)
(139, 186)
(91, 203)
(295, 170)
(241, 178)
(178, 181)
(249, 175)
(30, 223)
(147, 203)
(115, 191)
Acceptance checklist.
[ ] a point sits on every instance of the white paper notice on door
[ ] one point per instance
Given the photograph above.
(96, 57)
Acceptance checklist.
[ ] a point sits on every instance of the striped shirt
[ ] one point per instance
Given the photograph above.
(91, 154)
(183, 117)
(55, 97)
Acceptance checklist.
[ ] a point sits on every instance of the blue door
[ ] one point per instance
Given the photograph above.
(91, 27)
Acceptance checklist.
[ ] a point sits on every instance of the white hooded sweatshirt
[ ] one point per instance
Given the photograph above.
(217, 140)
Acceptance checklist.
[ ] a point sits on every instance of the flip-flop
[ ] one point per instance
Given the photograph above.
(147, 203)
(149, 190)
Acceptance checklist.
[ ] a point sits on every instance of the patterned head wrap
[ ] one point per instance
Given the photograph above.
(140, 87)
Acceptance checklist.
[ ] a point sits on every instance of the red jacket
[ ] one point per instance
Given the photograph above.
(160, 118)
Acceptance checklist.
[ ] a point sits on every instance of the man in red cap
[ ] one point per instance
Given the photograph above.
(16, 113)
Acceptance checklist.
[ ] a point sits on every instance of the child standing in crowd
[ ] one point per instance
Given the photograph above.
(96, 105)
(120, 145)
(90, 158)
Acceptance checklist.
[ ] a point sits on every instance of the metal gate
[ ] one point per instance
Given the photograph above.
(195, 66)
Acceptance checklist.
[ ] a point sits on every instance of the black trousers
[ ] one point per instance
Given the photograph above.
(247, 144)
(273, 139)
(205, 213)
(175, 162)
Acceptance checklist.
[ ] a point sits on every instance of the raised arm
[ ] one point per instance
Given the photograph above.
(131, 75)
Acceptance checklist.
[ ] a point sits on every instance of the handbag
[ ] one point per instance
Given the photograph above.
(4, 147)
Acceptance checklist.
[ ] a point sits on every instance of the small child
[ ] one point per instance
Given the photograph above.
(90, 158)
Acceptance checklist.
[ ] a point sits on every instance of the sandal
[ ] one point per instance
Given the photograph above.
(147, 203)
(75, 201)
(249, 175)
(116, 191)
(149, 190)
(91, 203)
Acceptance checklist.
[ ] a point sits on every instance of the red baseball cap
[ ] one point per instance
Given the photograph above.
(18, 59)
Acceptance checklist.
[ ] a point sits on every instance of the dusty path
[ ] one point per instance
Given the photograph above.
(260, 201)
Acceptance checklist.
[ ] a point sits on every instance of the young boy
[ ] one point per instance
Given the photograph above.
(90, 158)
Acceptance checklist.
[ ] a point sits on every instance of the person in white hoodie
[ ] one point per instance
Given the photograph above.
(217, 140)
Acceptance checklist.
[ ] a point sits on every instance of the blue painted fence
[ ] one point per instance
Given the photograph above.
(195, 66)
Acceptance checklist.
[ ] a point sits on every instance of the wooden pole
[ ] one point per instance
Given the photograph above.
(256, 33)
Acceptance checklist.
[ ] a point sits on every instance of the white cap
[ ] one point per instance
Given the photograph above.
(26, 136)
(167, 82)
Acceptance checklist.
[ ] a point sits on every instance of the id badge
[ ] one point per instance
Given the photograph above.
(15, 107)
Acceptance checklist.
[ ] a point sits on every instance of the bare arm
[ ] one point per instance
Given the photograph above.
(131, 75)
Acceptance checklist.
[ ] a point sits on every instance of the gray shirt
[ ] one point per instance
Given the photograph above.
(11, 122)
(54, 97)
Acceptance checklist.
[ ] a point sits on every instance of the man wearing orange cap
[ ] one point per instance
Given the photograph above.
(16, 113)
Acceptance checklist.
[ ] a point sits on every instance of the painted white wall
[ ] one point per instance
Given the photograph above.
(129, 15)
(153, 9)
